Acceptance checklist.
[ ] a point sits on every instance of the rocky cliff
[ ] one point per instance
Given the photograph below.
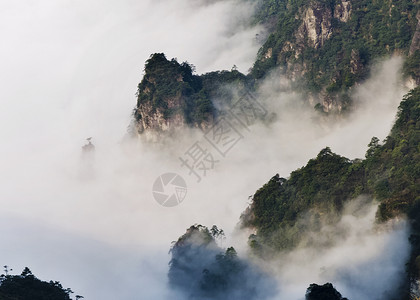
(326, 47)
(317, 192)
(169, 98)
(415, 42)
(412, 65)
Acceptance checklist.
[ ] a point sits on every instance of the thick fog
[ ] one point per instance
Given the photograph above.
(364, 261)
(70, 71)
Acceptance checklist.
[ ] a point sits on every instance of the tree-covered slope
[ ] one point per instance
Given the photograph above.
(390, 173)
(326, 46)
(27, 287)
(322, 186)
(200, 269)
(323, 292)
(170, 96)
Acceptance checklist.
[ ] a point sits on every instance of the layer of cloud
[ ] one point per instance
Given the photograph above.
(69, 71)
(362, 259)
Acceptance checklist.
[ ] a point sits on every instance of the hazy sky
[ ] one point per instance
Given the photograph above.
(69, 70)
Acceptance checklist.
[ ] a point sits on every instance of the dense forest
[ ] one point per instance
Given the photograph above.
(316, 193)
(202, 270)
(324, 47)
(344, 39)
(390, 173)
(170, 88)
(27, 286)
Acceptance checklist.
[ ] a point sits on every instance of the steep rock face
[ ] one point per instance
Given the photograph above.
(415, 42)
(313, 28)
(316, 25)
(326, 47)
(412, 65)
(342, 10)
(169, 98)
(323, 47)
(155, 120)
(390, 174)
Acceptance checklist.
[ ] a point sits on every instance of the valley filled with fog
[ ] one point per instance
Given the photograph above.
(70, 71)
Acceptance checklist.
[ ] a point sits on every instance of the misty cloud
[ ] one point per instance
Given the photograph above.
(363, 260)
(70, 71)
(199, 269)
